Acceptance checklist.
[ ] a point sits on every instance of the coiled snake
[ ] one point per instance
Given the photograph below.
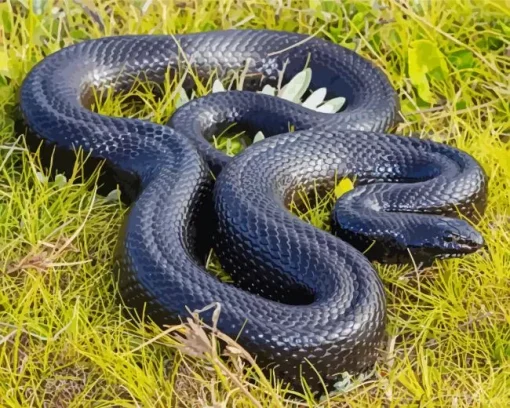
(302, 297)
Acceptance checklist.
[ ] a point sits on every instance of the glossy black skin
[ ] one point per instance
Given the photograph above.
(300, 293)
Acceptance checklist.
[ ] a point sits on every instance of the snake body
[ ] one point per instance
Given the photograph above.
(304, 301)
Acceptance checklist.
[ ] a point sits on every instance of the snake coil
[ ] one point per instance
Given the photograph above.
(302, 297)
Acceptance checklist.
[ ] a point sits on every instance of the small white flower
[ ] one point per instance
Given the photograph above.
(41, 177)
(182, 98)
(217, 86)
(315, 99)
(258, 137)
(331, 106)
(268, 90)
(297, 86)
(60, 180)
(112, 196)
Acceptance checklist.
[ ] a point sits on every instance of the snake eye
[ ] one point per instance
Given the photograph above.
(453, 238)
(469, 239)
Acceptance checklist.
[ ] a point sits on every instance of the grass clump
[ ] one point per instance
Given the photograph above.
(63, 339)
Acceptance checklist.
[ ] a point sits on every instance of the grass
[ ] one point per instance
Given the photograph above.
(63, 339)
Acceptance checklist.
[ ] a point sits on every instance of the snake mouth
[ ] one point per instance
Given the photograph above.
(462, 242)
(449, 249)
(460, 253)
(452, 255)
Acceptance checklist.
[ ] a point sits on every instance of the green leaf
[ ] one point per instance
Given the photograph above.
(5, 15)
(350, 44)
(79, 34)
(234, 146)
(424, 58)
(315, 4)
(60, 180)
(359, 20)
(461, 105)
(505, 28)
(4, 63)
(462, 59)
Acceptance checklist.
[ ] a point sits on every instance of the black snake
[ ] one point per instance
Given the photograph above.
(301, 296)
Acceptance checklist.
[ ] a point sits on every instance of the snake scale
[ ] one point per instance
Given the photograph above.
(303, 300)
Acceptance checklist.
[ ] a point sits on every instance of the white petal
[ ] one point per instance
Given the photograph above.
(258, 137)
(113, 195)
(182, 98)
(268, 90)
(332, 106)
(315, 99)
(217, 86)
(297, 86)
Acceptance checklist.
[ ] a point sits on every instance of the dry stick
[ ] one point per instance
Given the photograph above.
(465, 110)
(216, 333)
(155, 338)
(320, 30)
(55, 254)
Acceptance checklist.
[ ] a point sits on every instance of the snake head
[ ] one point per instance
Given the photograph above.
(444, 238)
(422, 237)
